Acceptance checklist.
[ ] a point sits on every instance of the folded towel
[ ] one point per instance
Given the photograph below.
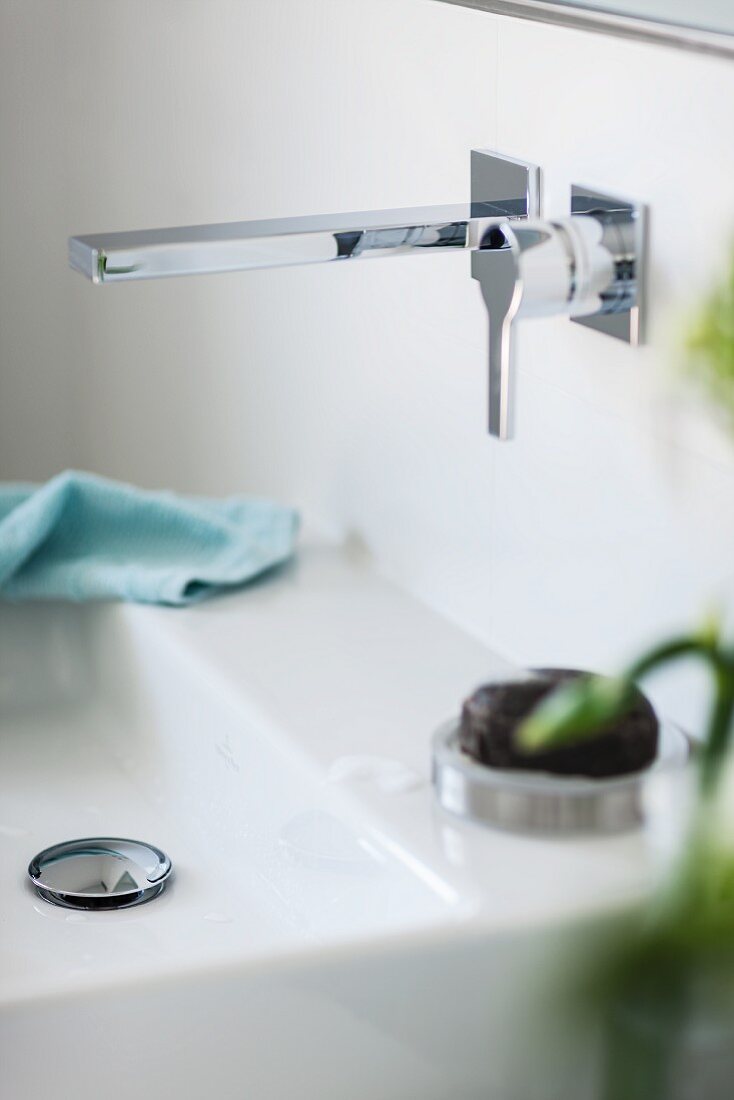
(81, 537)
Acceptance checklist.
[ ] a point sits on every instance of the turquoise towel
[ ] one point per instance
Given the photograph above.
(81, 537)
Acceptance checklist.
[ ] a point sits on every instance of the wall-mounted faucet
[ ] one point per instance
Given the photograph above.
(585, 265)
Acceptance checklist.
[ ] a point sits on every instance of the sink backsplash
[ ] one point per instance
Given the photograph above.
(358, 393)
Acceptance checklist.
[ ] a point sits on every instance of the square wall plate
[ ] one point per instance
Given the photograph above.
(627, 324)
(504, 185)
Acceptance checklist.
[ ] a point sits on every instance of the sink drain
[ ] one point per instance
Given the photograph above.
(100, 873)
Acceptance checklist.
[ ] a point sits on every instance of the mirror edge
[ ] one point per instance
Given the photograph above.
(611, 23)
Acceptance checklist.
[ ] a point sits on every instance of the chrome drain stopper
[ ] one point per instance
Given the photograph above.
(100, 873)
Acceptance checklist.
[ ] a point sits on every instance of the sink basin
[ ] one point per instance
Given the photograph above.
(329, 931)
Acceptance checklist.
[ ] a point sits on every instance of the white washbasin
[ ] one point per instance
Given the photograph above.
(329, 932)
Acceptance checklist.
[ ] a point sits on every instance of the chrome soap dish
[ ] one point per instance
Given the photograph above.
(544, 802)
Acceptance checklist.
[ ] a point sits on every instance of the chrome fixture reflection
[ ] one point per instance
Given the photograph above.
(100, 873)
(584, 265)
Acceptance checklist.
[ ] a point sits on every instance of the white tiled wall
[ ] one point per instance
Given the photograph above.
(358, 391)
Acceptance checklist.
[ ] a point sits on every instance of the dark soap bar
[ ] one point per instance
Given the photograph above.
(491, 715)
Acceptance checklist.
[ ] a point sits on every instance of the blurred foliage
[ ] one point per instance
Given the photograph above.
(710, 346)
(666, 990)
(583, 708)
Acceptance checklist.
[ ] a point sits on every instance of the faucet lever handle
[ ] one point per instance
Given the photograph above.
(495, 266)
(575, 266)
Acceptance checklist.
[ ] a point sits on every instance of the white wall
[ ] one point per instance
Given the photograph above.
(358, 391)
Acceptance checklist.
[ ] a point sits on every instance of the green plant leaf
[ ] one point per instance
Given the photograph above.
(574, 712)
(710, 346)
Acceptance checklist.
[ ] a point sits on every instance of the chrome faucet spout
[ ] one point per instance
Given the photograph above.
(586, 266)
(284, 242)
